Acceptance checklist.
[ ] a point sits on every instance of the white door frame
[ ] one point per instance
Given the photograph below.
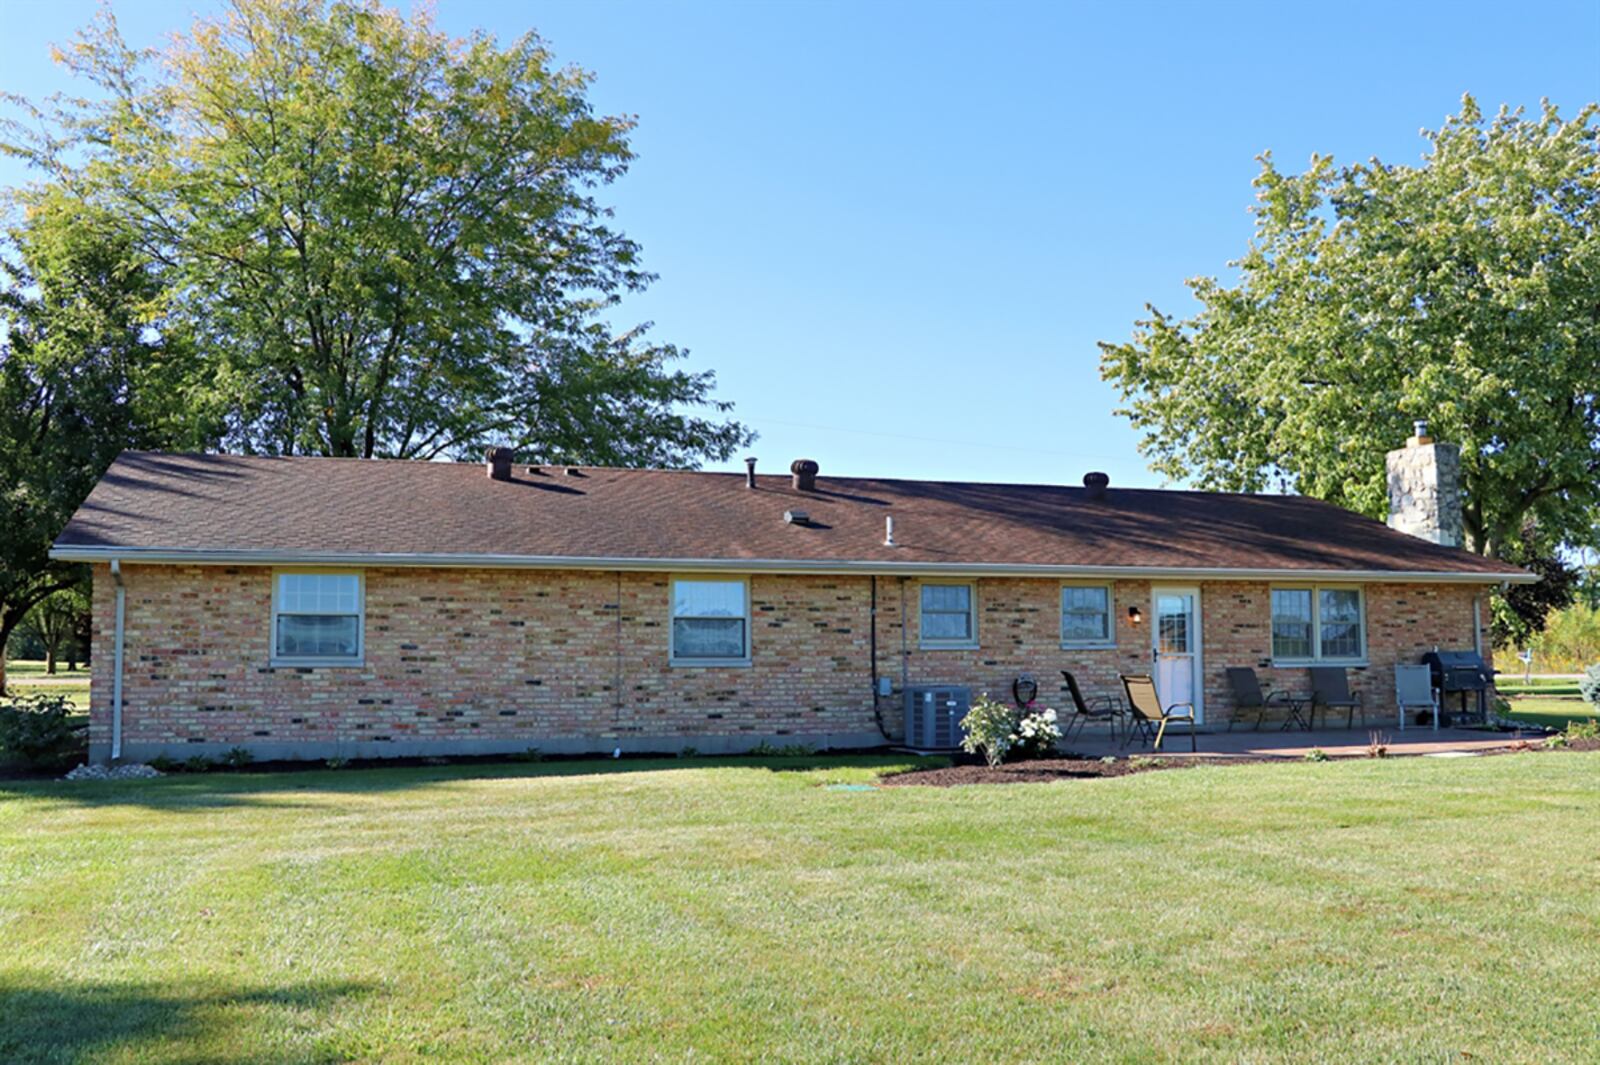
(1196, 644)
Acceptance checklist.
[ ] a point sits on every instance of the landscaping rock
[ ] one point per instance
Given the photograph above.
(132, 771)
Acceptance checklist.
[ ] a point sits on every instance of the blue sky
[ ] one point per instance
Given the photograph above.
(896, 231)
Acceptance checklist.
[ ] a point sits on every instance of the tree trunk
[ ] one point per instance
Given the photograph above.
(50, 659)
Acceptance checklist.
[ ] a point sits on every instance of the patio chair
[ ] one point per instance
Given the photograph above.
(1413, 690)
(1145, 712)
(1247, 695)
(1106, 708)
(1330, 690)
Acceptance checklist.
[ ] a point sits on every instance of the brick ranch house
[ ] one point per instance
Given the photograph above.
(310, 608)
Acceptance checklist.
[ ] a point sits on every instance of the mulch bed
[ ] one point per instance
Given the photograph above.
(1031, 772)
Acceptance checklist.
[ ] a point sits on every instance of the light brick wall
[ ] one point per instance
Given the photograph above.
(578, 659)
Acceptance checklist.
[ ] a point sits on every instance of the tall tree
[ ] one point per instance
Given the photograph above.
(1465, 291)
(55, 621)
(389, 241)
(87, 368)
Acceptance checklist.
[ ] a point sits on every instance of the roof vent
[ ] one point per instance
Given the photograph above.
(497, 460)
(1095, 484)
(805, 474)
(797, 517)
(750, 472)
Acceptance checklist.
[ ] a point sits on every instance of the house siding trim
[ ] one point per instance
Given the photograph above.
(971, 570)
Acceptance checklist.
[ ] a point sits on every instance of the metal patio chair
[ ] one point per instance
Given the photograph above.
(1413, 690)
(1145, 712)
(1247, 695)
(1330, 690)
(1106, 708)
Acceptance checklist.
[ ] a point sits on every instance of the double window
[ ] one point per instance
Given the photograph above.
(710, 622)
(1086, 616)
(317, 618)
(1318, 624)
(949, 618)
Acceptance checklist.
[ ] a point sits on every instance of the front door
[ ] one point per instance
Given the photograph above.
(1176, 647)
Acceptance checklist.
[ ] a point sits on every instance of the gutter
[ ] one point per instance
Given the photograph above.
(116, 663)
(185, 556)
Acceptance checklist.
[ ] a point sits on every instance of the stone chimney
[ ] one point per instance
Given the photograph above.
(1425, 489)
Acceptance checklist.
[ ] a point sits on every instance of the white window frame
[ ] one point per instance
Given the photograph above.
(933, 643)
(672, 616)
(1110, 639)
(1316, 590)
(320, 661)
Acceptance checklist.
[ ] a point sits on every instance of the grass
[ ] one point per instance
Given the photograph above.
(26, 677)
(1552, 711)
(1410, 909)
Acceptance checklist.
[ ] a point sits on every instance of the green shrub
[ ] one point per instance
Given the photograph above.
(1316, 754)
(335, 763)
(996, 730)
(197, 764)
(1589, 685)
(164, 764)
(1583, 730)
(532, 754)
(43, 730)
(990, 730)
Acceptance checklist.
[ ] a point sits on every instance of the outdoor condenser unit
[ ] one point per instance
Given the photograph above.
(933, 716)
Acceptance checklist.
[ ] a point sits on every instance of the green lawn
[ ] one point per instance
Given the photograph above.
(1414, 909)
(1552, 711)
(25, 677)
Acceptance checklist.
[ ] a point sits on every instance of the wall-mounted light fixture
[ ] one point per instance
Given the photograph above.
(1135, 616)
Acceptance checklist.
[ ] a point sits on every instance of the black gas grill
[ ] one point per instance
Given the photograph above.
(1463, 672)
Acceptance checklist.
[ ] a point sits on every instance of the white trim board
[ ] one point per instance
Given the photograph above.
(185, 556)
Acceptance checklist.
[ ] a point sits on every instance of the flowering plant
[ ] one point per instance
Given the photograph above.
(995, 730)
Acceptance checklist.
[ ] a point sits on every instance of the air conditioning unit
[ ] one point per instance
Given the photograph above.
(933, 716)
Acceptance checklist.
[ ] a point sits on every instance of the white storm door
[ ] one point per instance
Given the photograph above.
(1176, 646)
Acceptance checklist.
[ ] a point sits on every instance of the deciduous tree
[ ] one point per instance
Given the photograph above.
(387, 242)
(1464, 290)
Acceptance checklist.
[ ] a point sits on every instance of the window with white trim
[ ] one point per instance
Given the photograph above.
(710, 621)
(1317, 623)
(948, 616)
(317, 618)
(1086, 616)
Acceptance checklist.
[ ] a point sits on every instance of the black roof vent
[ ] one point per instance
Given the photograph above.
(797, 517)
(1096, 483)
(497, 460)
(805, 474)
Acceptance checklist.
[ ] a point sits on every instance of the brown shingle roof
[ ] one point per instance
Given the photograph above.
(223, 506)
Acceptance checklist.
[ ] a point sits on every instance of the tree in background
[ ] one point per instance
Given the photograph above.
(56, 620)
(1463, 291)
(87, 367)
(1520, 612)
(387, 242)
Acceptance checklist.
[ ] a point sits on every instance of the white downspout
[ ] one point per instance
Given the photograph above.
(116, 664)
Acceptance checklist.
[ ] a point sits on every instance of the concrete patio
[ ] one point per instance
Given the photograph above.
(1296, 743)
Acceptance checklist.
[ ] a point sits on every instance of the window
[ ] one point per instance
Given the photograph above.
(1318, 624)
(710, 622)
(1086, 616)
(947, 617)
(316, 618)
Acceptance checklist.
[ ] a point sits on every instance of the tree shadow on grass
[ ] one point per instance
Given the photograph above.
(183, 793)
(60, 1025)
